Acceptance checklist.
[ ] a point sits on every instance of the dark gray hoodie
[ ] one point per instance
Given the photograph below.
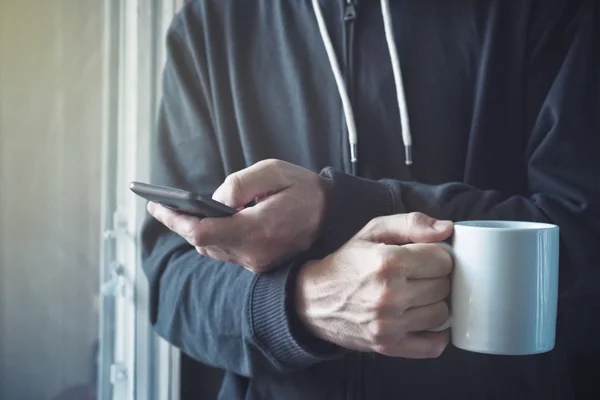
(501, 99)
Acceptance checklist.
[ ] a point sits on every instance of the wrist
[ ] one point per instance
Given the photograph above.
(274, 324)
(304, 293)
(324, 199)
(326, 188)
(351, 203)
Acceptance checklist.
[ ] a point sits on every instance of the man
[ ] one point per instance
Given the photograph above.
(424, 113)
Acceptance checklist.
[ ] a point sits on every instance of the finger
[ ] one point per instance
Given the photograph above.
(407, 228)
(181, 224)
(261, 179)
(247, 262)
(442, 327)
(241, 227)
(423, 292)
(220, 255)
(207, 231)
(418, 261)
(418, 345)
(424, 318)
(392, 325)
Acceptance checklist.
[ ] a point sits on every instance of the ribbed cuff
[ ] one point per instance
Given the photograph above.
(275, 326)
(353, 203)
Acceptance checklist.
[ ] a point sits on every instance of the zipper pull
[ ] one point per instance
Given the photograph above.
(350, 11)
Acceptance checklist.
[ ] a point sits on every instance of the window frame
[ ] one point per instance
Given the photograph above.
(134, 362)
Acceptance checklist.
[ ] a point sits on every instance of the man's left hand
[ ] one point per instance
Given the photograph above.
(290, 209)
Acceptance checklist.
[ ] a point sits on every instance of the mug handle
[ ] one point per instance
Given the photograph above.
(448, 323)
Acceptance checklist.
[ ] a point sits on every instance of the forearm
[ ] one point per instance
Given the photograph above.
(220, 313)
(315, 311)
(216, 312)
(578, 221)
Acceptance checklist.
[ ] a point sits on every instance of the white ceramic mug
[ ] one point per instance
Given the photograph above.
(504, 286)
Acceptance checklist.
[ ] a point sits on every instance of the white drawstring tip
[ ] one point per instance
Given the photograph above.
(353, 158)
(353, 153)
(408, 155)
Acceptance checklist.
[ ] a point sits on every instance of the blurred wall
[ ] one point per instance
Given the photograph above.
(50, 144)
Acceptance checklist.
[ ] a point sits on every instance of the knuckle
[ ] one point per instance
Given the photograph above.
(403, 301)
(403, 326)
(378, 332)
(373, 225)
(194, 236)
(415, 219)
(437, 349)
(402, 270)
(234, 183)
(382, 301)
(375, 221)
(386, 349)
(437, 322)
(193, 239)
(433, 353)
(392, 264)
(436, 352)
(271, 163)
(384, 278)
(384, 261)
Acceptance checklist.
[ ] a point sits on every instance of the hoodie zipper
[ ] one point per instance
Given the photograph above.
(350, 15)
(349, 18)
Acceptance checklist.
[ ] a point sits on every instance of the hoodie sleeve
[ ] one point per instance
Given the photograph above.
(563, 167)
(216, 312)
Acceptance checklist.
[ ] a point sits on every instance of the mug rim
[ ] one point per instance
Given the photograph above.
(505, 225)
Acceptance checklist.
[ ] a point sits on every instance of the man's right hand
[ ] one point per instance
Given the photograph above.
(384, 290)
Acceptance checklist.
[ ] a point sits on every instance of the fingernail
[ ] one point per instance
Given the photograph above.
(442, 225)
(150, 207)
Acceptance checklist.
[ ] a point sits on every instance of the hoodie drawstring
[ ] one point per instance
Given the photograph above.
(339, 80)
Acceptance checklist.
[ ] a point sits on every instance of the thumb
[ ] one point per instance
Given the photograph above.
(407, 228)
(259, 180)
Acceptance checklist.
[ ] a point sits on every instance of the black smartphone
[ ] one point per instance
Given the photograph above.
(182, 201)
